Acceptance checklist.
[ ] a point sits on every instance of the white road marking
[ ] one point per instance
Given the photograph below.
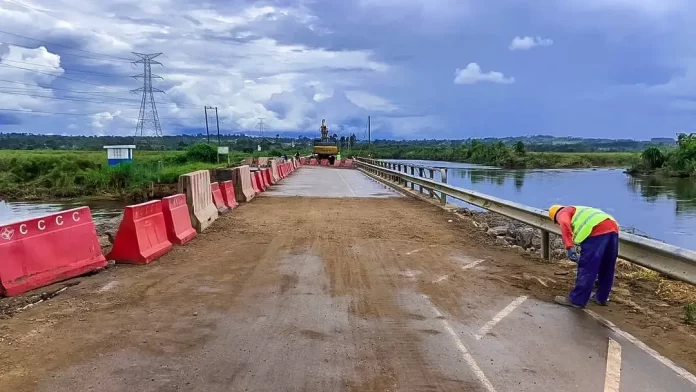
(501, 315)
(414, 251)
(440, 279)
(612, 378)
(473, 264)
(108, 286)
(344, 181)
(680, 371)
(465, 353)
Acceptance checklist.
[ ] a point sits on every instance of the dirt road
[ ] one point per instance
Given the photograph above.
(325, 294)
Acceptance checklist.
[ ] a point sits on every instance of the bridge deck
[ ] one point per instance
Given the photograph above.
(319, 294)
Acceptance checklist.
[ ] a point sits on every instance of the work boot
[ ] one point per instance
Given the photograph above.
(593, 298)
(562, 300)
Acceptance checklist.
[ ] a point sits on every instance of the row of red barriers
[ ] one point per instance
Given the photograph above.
(346, 163)
(41, 251)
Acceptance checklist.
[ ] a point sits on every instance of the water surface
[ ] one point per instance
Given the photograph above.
(662, 208)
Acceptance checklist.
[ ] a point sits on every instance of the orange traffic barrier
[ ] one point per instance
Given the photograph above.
(227, 188)
(267, 176)
(177, 220)
(40, 251)
(254, 185)
(219, 202)
(196, 187)
(142, 235)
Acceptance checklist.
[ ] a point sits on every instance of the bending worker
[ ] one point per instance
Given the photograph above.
(592, 239)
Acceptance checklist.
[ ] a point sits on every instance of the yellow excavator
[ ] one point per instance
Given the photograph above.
(325, 147)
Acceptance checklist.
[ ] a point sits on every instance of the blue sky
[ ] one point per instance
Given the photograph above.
(420, 68)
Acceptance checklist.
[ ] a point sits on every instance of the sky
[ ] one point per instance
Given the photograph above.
(420, 68)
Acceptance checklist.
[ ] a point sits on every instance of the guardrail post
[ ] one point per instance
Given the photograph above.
(413, 174)
(545, 245)
(432, 176)
(443, 196)
(421, 174)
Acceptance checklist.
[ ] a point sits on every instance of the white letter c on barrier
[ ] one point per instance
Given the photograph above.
(23, 228)
(76, 216)
(59, 220)
(41, 225)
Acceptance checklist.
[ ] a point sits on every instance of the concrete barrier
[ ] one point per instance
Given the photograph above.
(274, 171)
(228, 195)
(142, 235)
(40, 251)
(196, 187)
(242, 184)
(254, 182)
(267, 176)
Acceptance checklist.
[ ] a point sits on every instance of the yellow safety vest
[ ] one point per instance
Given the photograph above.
(584, 220)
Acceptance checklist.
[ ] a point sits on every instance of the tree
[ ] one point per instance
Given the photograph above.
(653, 157)
(277, 137)
(520, 149)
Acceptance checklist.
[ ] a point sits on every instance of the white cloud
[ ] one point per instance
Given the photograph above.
(472, 74)
(368, 101)
(527, 42)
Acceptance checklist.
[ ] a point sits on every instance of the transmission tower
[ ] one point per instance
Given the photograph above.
(148, 120)
(261, 126)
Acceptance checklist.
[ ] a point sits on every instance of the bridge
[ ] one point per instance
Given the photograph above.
(333, 280)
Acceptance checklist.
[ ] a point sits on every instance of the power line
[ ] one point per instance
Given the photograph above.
(114, 100)
(50, 74)
(86, 114)
(108, 75)
(61, 45)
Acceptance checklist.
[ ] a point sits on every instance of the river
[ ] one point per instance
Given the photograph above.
(662, 208)
(16, 211)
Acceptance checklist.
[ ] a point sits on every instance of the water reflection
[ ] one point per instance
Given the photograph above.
(653, 188)
(664, 208)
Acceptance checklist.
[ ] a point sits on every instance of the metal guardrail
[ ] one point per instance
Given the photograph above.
(670, 260)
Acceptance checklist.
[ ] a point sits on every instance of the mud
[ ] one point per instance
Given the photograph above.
(297, 294)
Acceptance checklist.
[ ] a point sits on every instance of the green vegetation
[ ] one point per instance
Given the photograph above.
(672, 162)
(499, 154)
(58, 174)
(690, 313)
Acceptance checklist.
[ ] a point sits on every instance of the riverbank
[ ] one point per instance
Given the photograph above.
(507, 158)
(38, 175)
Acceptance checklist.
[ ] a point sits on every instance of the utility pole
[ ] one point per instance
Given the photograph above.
(148, 119)
(369, 135)
(205, 108)
(217, 121)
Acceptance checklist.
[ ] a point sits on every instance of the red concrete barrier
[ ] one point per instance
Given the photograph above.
(257, 181)
(303, 161)
(264, 180)
(274, 171)
(219, 202)
(254, 185)
(325, 162)
(196, 187)
(177, 219)
(142, 235)
(227, 188)
(348, 163)
(40, 251)
(313, 161)
(267, 175)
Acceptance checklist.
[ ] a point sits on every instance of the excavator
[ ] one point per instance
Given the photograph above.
(325, 147)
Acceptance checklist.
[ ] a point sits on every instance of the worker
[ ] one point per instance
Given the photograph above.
(591, 237)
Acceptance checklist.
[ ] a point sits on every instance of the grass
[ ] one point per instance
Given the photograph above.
(60, 174)
(690, 313)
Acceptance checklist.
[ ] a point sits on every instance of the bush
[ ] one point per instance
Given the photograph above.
(202, 152)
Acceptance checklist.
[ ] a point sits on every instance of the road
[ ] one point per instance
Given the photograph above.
(362, 290)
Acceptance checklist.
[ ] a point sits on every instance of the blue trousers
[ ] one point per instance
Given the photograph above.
(597, 263)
